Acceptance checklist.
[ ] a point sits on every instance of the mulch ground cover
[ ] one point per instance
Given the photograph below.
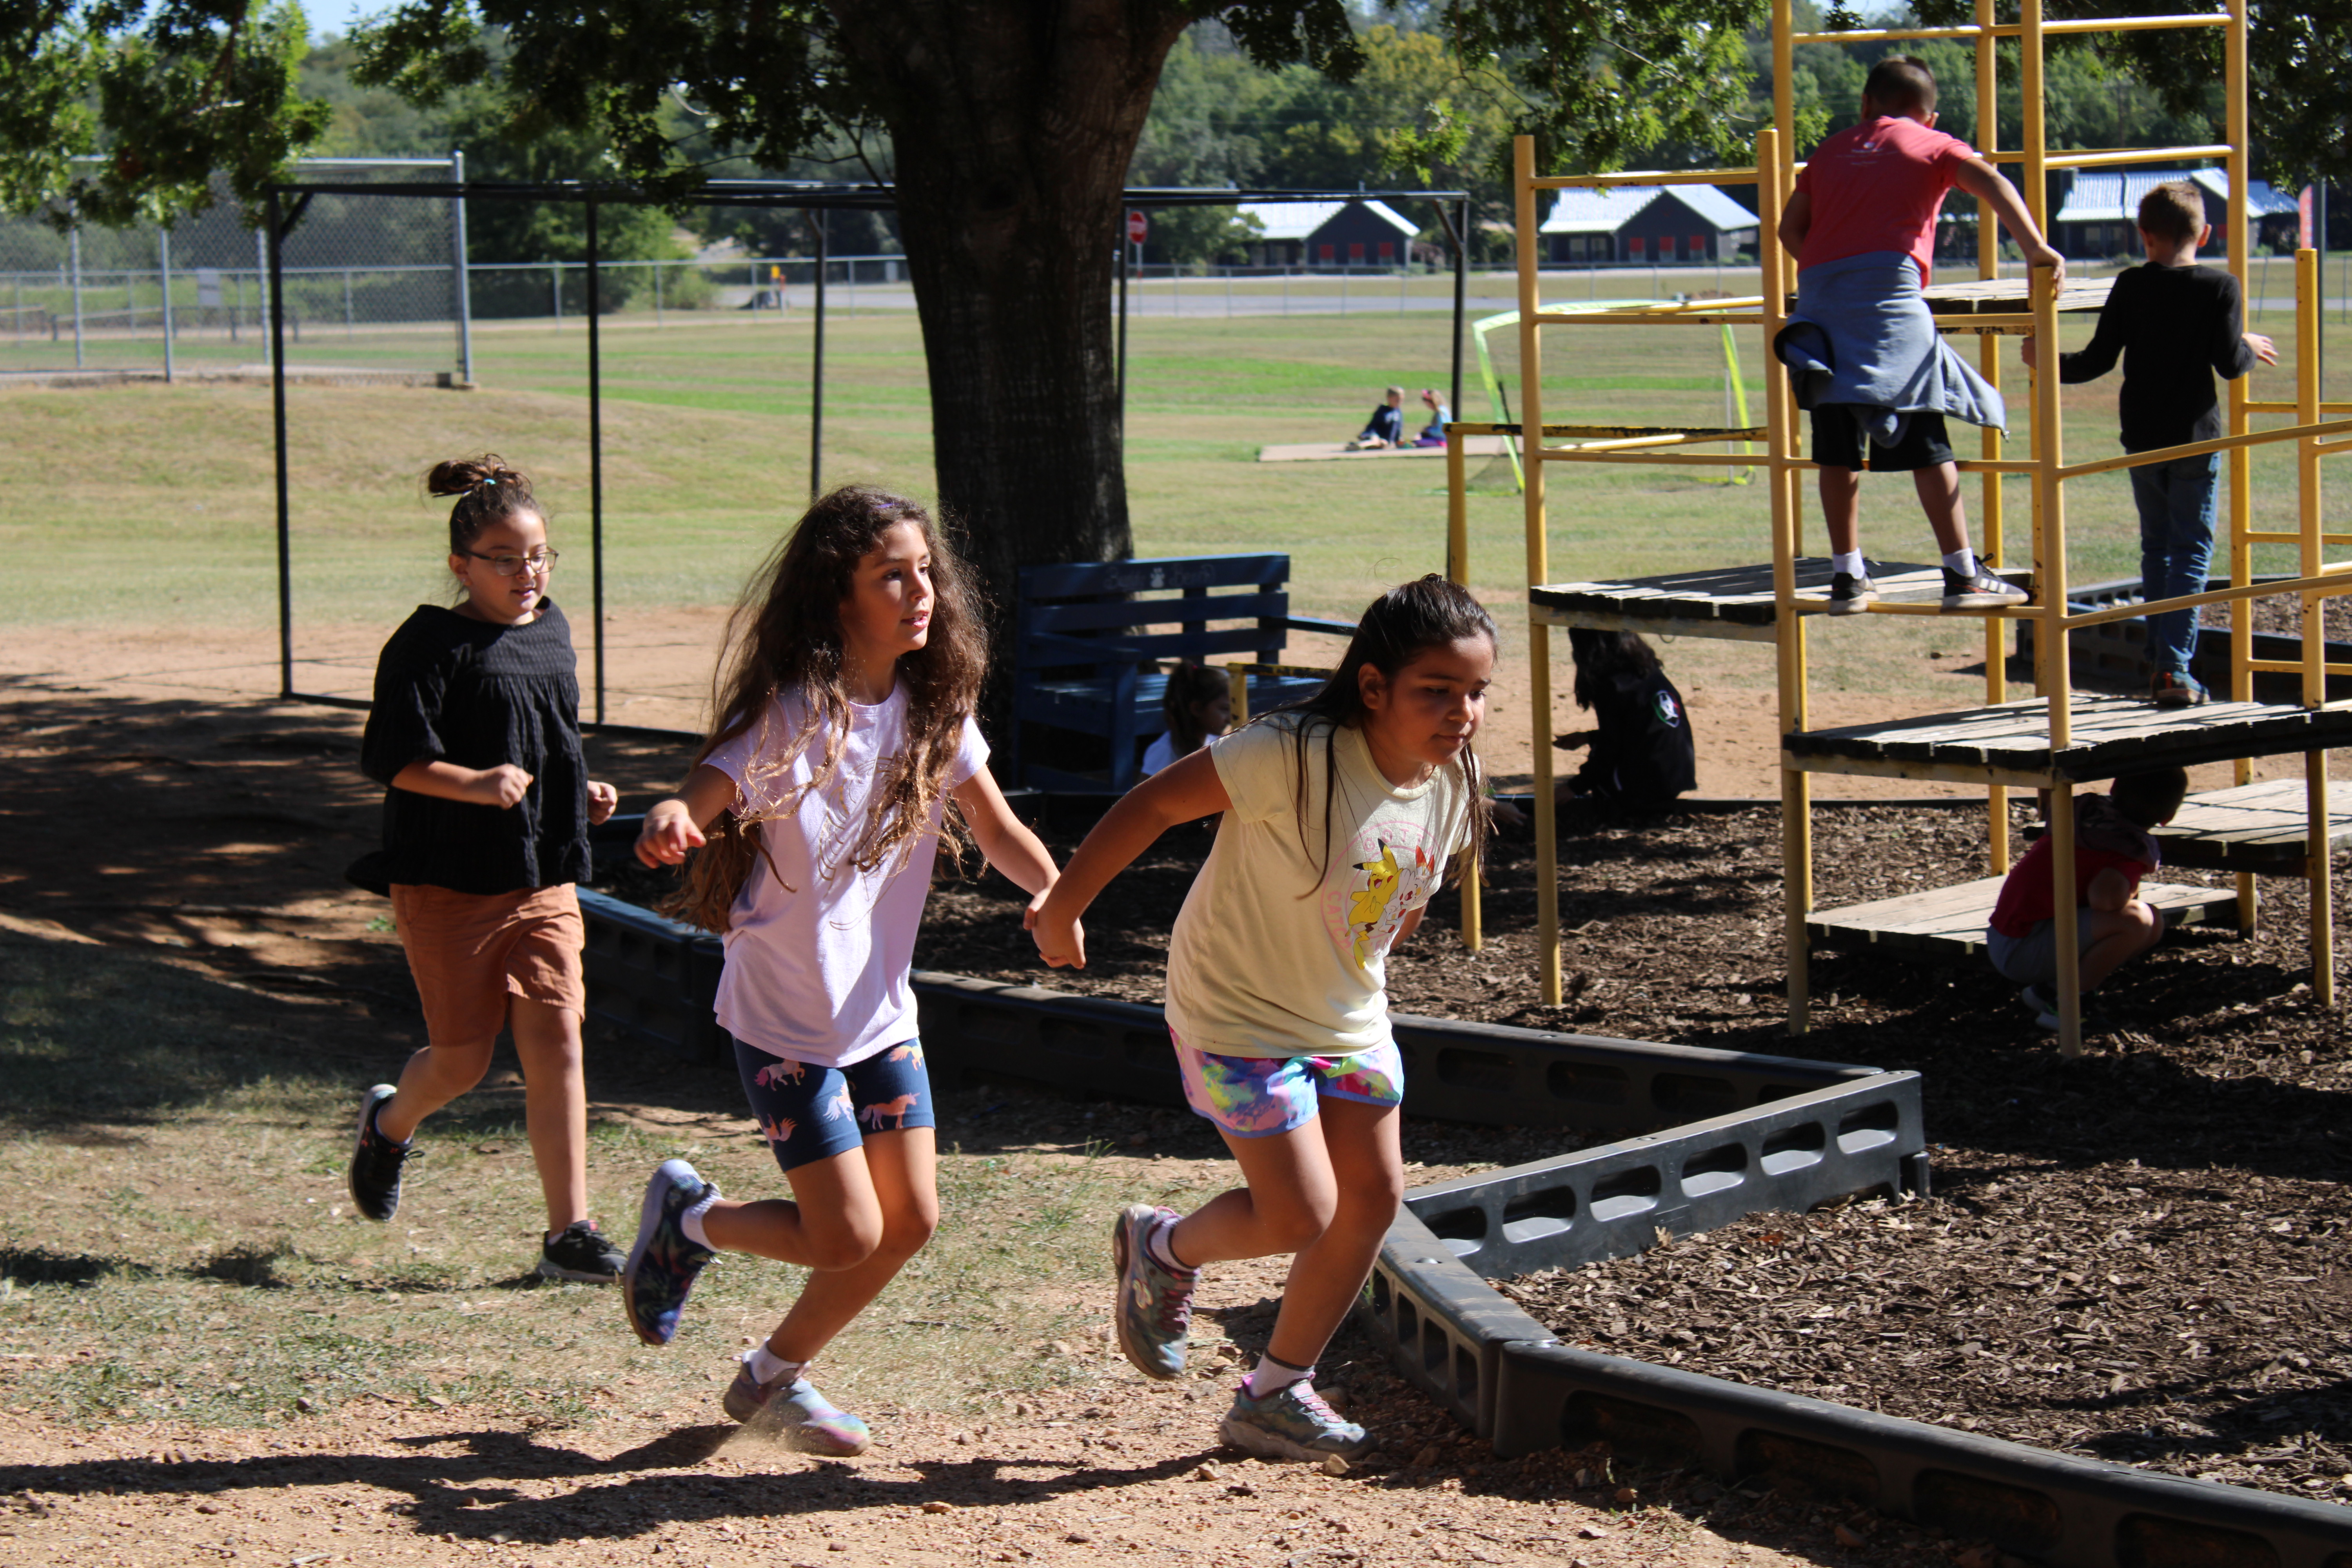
(2138, 1256)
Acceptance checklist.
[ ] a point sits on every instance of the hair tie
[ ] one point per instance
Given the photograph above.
(490, 479)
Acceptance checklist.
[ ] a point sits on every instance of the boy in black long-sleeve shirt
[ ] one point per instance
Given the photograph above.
(2175, 323)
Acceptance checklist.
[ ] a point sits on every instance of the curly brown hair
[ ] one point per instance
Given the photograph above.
(785, 638)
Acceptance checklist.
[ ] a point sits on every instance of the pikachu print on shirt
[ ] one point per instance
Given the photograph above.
(1389, 872)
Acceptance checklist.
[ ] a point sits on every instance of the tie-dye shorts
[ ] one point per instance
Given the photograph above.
(811, 1112)
(1257, 1097)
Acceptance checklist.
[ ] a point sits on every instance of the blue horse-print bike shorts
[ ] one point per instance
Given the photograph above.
(811, 1112)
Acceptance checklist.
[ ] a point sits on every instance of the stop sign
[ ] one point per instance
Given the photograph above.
(1137, 228)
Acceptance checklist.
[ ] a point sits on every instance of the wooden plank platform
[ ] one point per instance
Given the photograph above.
(1949, 923)
(2254, 827)
(1730, 602)
(2010, 296)
(2009, 742)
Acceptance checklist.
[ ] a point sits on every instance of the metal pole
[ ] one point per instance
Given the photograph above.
(347, 301)
(657, 298)
(458, 266)
(595, 464)
(555, 291)
(75, 243)
(263, 254)
(272, 241)
(1461, 238)
(163, 265)
(817, 371)
(1125, 263)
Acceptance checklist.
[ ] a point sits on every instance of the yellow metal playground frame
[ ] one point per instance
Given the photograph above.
(1775, 176)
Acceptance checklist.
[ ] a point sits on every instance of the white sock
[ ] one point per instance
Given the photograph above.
(690, 1221)
(1158, 1243)
(1849, 562)
(767, 1366)
(1270, 1376)
(1964, 561)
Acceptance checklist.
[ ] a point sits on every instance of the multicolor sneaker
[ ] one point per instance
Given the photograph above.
(376, 1160)
(2174, 688)
(795, 1413)
(659, 1274)
(581, 1252)
(1291, 1423)
(1155, 1304)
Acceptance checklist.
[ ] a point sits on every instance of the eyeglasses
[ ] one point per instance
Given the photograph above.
(508, 566)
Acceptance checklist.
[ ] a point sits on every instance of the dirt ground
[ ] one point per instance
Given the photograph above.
(2145, 1245)
(195, 826)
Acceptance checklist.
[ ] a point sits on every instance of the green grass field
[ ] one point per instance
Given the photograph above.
(157, 503)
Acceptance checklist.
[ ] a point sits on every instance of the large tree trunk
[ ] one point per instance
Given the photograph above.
(1011, 122)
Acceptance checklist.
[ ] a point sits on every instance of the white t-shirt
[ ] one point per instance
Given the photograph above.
(1256, 970)
(820, 973)
(1160, 753)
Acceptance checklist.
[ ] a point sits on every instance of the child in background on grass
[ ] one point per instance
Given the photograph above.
(1342, 814)
(1642, 754)
(2175, 323)
(1433, 433)
(1199, 703)
(1386, 426)
(845, 725)
(2113, 848)
(475, 734)
(1861, 344)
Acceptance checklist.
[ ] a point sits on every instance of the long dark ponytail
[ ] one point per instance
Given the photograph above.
(1396, 628)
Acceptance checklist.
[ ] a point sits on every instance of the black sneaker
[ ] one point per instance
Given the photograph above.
(2177, 691)
(1980, 590)
(376, 1160)
(581, 1252)
(1849, 593)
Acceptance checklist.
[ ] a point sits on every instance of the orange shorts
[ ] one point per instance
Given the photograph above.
(471, 952)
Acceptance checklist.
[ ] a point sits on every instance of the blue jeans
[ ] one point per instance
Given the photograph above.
(2176, 504)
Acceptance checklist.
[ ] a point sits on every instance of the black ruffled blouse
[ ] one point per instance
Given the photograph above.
(452, 689)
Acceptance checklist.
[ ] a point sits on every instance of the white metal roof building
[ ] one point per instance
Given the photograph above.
(2100, 213)
(1330, 234)
(1646, 223)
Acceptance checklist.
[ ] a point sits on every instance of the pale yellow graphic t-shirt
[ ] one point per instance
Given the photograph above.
(1281, 947)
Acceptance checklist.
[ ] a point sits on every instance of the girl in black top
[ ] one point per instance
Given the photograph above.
(475, 734)
(1642, 753)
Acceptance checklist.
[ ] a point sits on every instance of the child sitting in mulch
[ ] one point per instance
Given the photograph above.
(2113, 848)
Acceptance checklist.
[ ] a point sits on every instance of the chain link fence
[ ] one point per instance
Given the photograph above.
(372, 284)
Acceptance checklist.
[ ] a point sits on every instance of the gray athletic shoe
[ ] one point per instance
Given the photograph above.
(1291, 1423)
(1155, 1304)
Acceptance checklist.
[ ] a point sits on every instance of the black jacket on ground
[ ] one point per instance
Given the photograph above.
(1643, 755)
(449, 687)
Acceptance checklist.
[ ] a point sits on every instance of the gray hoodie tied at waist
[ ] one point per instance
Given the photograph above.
(1863, 337)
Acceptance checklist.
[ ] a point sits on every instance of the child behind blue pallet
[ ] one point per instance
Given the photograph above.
(845, 727)
(2114, 847)
(2175, 323)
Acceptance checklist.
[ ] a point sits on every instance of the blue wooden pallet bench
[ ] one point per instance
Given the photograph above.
(1084, 633)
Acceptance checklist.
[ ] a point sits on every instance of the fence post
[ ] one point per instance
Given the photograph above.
(657, 300)
(76, 257)
(347, 301)
(555, 291)
(162, 267)
(457, 265)
(264, 318)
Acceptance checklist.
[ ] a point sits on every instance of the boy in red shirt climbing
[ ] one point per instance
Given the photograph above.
(1862, 344)
(2113, 848)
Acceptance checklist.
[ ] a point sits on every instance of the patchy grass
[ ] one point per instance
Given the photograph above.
(180, 1244)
